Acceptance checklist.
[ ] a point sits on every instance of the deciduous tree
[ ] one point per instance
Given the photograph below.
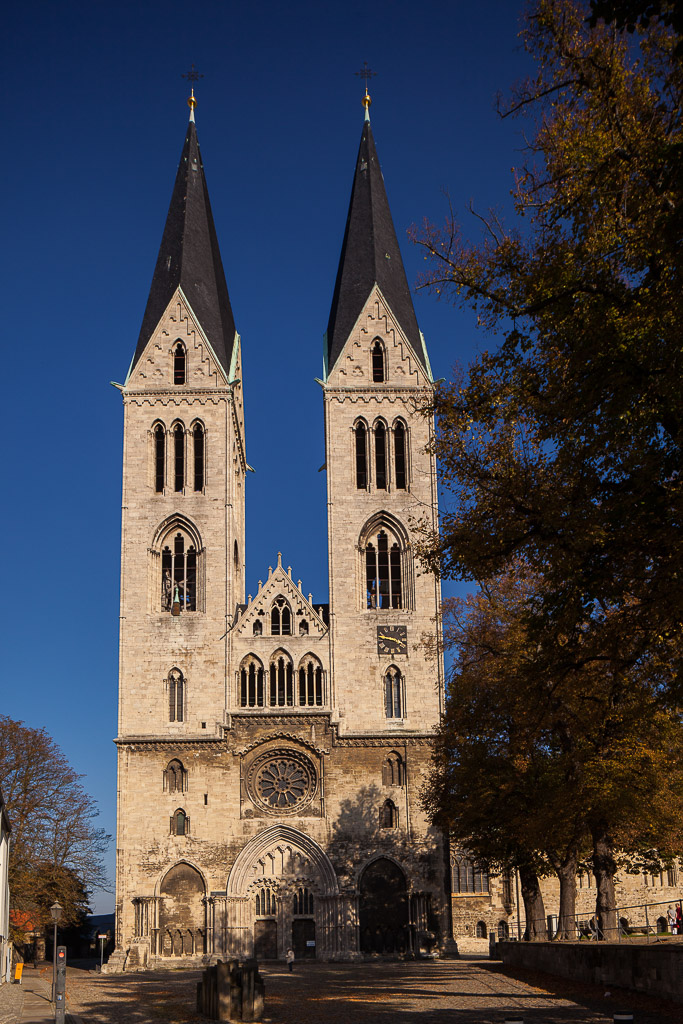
(543, 772)
(563, 446)
(56, 850)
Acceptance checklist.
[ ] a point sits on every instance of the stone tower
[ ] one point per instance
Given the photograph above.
(182, 546)
(272, 749)
(380, 476)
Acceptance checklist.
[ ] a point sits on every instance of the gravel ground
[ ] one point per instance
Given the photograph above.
(459, 991)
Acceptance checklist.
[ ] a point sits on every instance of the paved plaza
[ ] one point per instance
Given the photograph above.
(463, 991)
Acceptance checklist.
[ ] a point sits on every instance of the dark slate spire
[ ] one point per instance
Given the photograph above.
(370, 254)
(189, 257)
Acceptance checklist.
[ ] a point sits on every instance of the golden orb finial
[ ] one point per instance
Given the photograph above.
(191, 101)
(366, 99)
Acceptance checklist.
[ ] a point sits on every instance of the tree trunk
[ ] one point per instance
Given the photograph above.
(534, 909)
(604, 869)
(566, 872)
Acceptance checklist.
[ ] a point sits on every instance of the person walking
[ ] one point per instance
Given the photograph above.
(671, 920)
(679, 919)
(289, 957)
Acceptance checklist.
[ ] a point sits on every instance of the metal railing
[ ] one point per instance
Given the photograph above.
(635, 922)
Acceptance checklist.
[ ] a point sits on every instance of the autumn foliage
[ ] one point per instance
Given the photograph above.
(55, 849)
(561, 447)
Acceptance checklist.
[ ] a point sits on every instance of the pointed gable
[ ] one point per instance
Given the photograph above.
(370, 255)
(189, 258)
(280, 584)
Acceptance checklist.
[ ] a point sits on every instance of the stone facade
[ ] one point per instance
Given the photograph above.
(271, 749)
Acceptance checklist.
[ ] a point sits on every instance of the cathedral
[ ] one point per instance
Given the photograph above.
(272, 748)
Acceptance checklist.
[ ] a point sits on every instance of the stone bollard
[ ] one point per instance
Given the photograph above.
(213, 1005)
(205, 993)
(235, 991)
(223, 990)
(230, 993)
(249, 972)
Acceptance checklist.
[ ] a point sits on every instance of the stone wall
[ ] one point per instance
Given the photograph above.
(656, 968)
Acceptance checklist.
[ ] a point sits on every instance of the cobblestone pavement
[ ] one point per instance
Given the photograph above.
(29, 1002)
(11, 999)
(457, 991)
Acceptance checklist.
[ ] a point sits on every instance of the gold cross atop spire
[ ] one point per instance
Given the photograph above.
(366, 73)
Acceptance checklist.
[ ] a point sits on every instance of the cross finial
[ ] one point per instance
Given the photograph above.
(192, 76)
(366, 73)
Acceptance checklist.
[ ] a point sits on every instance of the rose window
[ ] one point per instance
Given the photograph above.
(282, 781)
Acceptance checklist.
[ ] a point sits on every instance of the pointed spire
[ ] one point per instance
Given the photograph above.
(189, 257)
(370, 255)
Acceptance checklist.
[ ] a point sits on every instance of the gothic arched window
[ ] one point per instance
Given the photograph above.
(361, 439)
(380, 456)
(175, 777)
(176, 696)
(467, 875)
(386, 563)
(280, 618)
(388, 817)
(383, 575)
(400, 455)
(179, 574)
(481, 929)
(303, 901)
(159, 457)
(393, 770)
(179, 364)
(198, 451)
(266, 903)
(281, 677)
(310, 682)
(178, 457)
(252, 693)
(378, 373)
(393, 694)
(180, 823)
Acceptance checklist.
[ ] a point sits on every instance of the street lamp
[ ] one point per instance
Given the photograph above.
(56, 911)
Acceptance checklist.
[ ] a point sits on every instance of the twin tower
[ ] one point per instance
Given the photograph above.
(271, 750)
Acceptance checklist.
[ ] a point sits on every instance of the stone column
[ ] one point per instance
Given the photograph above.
(239, 939)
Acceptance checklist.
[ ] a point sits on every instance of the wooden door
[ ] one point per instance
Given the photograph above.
(303, 938)
(265, 940)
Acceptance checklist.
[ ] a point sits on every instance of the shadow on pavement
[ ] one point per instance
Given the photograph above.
(374, 993)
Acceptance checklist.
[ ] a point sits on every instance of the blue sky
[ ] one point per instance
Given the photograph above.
(96, 120)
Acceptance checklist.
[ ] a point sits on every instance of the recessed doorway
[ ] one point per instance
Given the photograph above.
(265, 940)
(303, 938)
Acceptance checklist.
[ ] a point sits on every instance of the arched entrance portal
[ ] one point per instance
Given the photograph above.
(282, 891)
(383, 908)
(181, 912)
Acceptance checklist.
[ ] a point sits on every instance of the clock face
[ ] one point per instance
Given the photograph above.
(392, 639)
